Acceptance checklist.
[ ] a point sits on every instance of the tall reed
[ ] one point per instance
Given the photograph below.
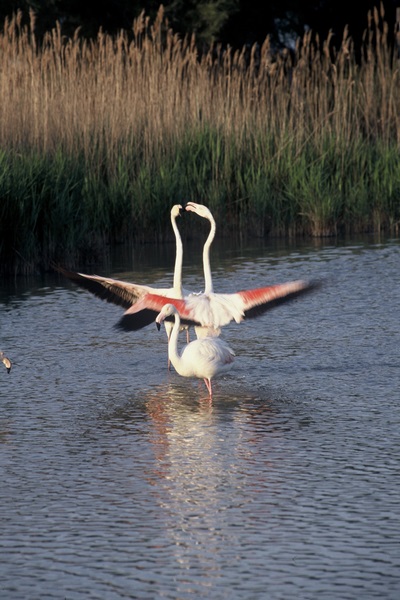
(100, 137)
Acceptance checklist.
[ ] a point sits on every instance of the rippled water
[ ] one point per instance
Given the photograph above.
(121, 480)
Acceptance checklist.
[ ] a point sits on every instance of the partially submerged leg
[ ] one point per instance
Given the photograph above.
(208, 385)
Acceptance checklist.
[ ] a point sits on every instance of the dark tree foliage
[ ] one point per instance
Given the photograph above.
(233, 22)
(286, 20)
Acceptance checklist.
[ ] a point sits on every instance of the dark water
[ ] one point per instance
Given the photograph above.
(121, 480)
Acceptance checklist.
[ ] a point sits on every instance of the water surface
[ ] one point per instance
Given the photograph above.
(121, 480)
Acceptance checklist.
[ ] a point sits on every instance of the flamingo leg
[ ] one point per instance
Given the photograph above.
(187, 336)
(208, 385)
(169, 361)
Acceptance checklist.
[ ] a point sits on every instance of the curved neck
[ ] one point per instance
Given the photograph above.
(173, 354)
(206, 257)
(178, 260)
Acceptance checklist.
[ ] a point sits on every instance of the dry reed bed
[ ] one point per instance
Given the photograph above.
(100, 137)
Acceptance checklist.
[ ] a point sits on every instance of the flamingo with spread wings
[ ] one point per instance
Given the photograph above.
(215, 310)
(206, 310)
(209, 311)
(205, 213)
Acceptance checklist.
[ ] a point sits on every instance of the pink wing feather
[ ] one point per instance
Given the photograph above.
(214, 310)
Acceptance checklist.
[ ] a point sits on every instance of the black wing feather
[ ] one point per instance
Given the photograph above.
(113, 294)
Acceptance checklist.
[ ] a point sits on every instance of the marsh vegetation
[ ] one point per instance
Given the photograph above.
(100, 137)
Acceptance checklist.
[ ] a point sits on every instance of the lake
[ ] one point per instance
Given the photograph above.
(120, 479)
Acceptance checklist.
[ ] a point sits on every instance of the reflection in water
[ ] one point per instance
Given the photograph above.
(210, 459)
(122, 480)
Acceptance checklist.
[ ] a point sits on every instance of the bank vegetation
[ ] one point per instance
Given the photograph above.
(98, 138)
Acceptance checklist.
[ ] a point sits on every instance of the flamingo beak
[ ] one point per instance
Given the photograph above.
(158, 326)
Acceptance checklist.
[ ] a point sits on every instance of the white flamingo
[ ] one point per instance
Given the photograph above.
(203, 358)
(6, 361)
(205, 213)
(127, 294)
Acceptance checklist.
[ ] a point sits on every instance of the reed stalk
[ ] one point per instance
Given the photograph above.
(100, 137)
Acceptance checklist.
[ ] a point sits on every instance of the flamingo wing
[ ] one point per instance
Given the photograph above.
(256, 302)
(214, 310)
(146, 309)
(218, 351)
(111, 290)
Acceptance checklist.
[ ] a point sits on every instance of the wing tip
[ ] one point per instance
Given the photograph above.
(299, 288)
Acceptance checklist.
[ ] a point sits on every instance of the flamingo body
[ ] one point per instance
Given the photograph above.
(203, 358)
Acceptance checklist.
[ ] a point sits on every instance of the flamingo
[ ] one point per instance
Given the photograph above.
(203, 358)
(205, 212)
(127, 294)
(6, 361)
(208, 311)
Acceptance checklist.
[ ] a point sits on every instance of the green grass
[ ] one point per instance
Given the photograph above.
(100, 139)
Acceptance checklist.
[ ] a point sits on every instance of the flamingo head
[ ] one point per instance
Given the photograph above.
(177, 210)
(167, 311)
(199, 209)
